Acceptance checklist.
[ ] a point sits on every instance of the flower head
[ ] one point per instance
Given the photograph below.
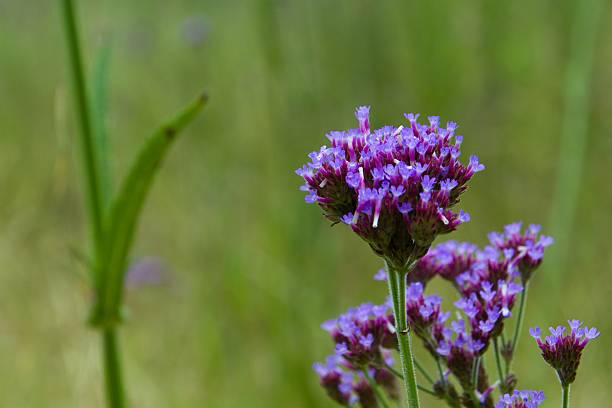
(395, 186)
(348, 386)
(562, 350)
(360, 333)
(423, 311)
(448, 260)
(525, 249)
(522, 399)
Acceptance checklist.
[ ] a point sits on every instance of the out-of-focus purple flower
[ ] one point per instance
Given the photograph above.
(447, 260)
(526, 249)
(562, 350)
(395, 186)
(348, 386)
(360, 333)
(336, 380)
(144, 272)
(522, 399)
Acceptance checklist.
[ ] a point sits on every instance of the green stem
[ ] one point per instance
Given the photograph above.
(397, 289)
(380, 395)
(423, 371)
(565, 397)
(427, 390)
(420, 387)
(519, 325)
(500, 371)
(93, 184)
(476, 371)
(112, 370)
(440, 370)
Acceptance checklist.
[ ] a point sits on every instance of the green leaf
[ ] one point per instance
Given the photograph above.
(124, 213)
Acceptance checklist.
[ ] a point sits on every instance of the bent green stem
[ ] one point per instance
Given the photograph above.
(397, 290)
(565, 397)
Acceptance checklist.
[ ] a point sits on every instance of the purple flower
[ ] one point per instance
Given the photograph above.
(399, 183)
(562, 350)
(423, 311)
(448, 260)
(360, 333)
(522, 399)
(347, 385)
(525, 250)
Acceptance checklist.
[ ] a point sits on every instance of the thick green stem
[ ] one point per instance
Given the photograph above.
(519, 325)
(565, 397)
(93, 185)
(112, 369)
(397, 289)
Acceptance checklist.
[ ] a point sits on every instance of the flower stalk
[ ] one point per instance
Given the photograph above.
(397, 290)
(519, 325)
(565, 397)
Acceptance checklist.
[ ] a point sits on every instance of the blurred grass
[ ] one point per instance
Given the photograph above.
(254, 270)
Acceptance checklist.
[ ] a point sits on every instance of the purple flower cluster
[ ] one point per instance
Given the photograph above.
(362, 332)
(348, 386)
(525, 250)
(522, 399)
(563, 350)
(395, 186)
(447, 260)
(424, 313)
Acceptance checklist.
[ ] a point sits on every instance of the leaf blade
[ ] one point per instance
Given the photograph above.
(125, 211)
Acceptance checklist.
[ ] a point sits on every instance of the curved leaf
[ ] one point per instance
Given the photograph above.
(124, 213)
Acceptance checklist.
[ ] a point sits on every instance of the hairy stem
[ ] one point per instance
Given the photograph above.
(397, 289)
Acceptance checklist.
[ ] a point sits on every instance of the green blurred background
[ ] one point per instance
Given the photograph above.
(251, 270)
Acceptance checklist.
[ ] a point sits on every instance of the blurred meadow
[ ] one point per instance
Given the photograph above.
(249, 270)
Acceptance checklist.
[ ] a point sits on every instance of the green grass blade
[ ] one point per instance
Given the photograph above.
(125, 211)
(99, 110)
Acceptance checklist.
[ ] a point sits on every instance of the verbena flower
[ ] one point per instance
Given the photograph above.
(522, 399)
(423, 311)
(349, 387)
(360, 333)
(395, 186)
(525, 249)
(487, 308)
(447, 260)
(562, 350)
